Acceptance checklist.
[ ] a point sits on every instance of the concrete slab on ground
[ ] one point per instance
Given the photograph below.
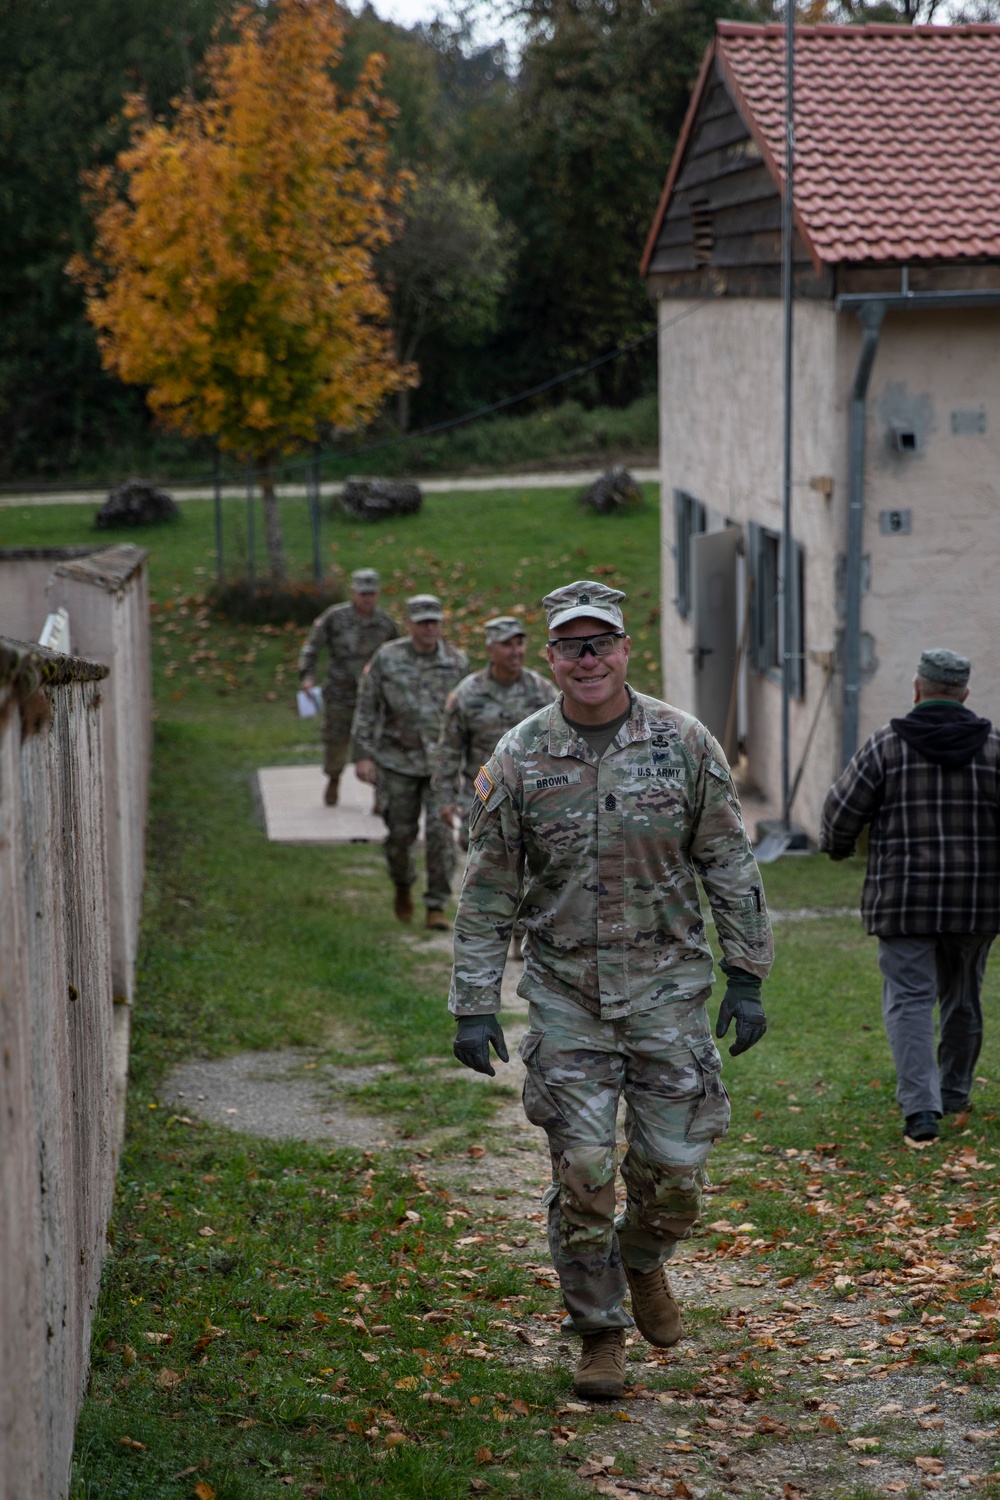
(294, 811)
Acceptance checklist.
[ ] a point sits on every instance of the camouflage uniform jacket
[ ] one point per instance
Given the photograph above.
(401, 698)
(598, 862)
(351, 640)
(478, 712)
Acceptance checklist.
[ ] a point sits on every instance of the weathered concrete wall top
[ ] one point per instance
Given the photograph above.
(106, 596)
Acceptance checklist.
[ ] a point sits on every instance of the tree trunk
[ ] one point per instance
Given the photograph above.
(272, 523)
(403, 408)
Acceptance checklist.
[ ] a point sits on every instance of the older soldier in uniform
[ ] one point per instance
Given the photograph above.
(481, 709)
(351, 633)
(396, 727)
(592, 821)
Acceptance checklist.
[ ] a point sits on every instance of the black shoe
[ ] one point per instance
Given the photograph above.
(961, 1107)
(921, 1127)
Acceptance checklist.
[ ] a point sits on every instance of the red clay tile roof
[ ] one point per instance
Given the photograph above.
(897, 134)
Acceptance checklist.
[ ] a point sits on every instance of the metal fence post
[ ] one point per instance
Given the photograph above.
(251, 539)
(313, 490)
(219, 559)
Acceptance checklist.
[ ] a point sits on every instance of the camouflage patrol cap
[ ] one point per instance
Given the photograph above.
(424, 607)
(584, 600)
(365, 581)
(502, 628)
(940, 665)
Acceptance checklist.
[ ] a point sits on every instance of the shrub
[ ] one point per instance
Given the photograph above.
(290, 602)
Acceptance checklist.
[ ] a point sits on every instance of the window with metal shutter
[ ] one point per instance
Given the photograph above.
(690, 520)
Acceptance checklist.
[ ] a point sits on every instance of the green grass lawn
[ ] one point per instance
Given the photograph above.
(285, 1319)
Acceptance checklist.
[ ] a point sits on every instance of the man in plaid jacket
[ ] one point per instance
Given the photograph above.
(928, 787)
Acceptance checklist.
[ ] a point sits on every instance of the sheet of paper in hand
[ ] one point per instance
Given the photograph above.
(309, 701)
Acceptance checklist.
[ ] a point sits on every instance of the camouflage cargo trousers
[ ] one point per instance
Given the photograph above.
(337, 719)
(667, 1066)
(400, 801)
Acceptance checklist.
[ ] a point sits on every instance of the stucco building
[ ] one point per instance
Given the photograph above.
(896, 442)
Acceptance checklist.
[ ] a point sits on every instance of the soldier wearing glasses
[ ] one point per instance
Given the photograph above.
(591, 822)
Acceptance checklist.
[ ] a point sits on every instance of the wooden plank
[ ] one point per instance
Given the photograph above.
(715, 134)
(761, 249)
(721, 163)
(942, 276)
(717, 100)
(745, 281)
(747, 218)
(753, 185)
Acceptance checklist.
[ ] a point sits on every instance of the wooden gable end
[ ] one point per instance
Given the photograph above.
(721, 231)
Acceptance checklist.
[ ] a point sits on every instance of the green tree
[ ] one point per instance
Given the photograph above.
(234, 267)
(66, 68)
(602, 92)
(901, 12)
(445, 270)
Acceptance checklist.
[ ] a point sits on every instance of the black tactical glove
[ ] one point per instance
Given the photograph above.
(742, 1001)
(472, 1043)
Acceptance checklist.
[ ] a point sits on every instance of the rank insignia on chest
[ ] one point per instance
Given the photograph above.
(483, 783)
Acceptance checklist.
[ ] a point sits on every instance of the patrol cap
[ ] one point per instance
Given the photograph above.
(502, 628)
(584, 599)
(424, 607)
(365, 581)
(940, 665)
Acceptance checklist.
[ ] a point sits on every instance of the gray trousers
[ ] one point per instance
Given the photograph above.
(916, 972)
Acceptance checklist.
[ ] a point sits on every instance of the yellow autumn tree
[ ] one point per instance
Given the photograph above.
(233, 265)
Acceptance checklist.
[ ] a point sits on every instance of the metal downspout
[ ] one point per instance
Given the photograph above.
(870, 316)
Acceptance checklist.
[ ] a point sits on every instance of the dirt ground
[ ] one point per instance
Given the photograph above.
(825, 1420)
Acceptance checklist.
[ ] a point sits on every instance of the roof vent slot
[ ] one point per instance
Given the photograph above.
(702, 232)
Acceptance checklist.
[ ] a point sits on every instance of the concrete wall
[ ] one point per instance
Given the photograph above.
(107, 597)
(936, 586)
(56, 1097)
(721, 442)
(105, 591)
(936, 374)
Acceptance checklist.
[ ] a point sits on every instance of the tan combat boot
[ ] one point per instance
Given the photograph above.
(332, 788)
(600, 1370)
(437, 919)
(657, 1316)
(403, 904)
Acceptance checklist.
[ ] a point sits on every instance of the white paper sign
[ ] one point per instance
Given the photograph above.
(309, 701)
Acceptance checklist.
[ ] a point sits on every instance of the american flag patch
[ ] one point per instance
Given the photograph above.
(483, 783)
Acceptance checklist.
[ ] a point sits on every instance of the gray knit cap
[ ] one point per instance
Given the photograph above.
(940, 665)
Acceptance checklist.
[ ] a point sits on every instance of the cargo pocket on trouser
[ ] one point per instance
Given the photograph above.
(709, 1119)
(539, 1105)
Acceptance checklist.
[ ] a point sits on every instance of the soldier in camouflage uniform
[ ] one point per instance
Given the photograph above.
(396, 726)
(479, 710)
(351, 633)
(592, 821)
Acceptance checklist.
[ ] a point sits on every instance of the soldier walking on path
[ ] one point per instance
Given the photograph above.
(351, 633)
(479, 710)
(927, 786)
(591, 823)
(396, 726)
